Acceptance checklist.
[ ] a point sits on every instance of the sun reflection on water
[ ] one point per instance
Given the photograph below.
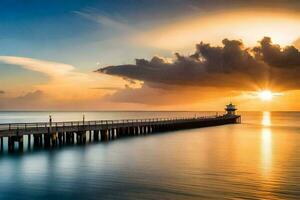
(266, 144)
(266, 119)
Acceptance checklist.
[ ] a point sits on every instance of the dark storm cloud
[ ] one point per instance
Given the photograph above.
(231, 65)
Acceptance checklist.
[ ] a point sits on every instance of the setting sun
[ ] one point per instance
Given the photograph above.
(265, 95)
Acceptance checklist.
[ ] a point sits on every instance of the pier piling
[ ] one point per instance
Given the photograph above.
(1, 144)
(96, 135)
(11, 144)
(29, 141)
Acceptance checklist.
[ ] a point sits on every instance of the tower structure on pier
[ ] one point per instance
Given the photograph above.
(230, 109)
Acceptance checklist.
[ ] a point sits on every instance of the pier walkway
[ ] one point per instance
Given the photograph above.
(51, 134)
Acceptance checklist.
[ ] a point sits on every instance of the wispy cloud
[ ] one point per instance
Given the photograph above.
(65, 82)
(213, 26)
(52, 69)
(104, 20)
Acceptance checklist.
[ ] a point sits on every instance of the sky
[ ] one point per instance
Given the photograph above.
(149, 54)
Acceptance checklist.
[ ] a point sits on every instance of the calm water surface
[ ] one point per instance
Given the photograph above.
(258, 159)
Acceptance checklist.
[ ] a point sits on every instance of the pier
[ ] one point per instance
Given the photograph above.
(51, 134)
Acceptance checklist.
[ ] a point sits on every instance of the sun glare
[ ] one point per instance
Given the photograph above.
(265, 95)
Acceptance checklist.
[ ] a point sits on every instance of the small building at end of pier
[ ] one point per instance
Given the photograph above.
(230, 109)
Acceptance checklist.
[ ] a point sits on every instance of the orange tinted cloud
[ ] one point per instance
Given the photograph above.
(229, 66)
(213, 74)
(65, 82)
(249, 24)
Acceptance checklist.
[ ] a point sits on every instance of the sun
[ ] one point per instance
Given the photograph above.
(266, 95)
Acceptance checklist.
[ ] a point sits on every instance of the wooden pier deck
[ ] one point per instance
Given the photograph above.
(51, 134)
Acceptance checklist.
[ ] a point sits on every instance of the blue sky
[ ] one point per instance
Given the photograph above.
(45, 29)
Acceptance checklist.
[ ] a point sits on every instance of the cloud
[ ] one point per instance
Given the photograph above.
(297, 43)
(2, 92)
(149, 94)
(212, 25)
(65, 82)
(30, 96)
(208, 67)
(229, 66)
(212, 76)
(106, 88)
(210, 73)
(274, 55)
(33, 99)
(52, 69)
(104, 20)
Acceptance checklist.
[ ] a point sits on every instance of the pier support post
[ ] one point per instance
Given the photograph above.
(121, 132)
(69, 137)
(131, 131)
(104, 135)
(60, 138)
(35, 140)
(53, 139)
(115, 133)
(118, 132)
(21, 143)
(72, 137)
(47, 140)
(124, 131)
(78, 138)
(29, 141)
(11, 144)
(1, 144)
(112, 133)
(154, 128)
(81, 137)
(64, 137)
(96, 135)
(128, 131)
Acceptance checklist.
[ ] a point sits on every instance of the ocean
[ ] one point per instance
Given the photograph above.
(257, 159)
